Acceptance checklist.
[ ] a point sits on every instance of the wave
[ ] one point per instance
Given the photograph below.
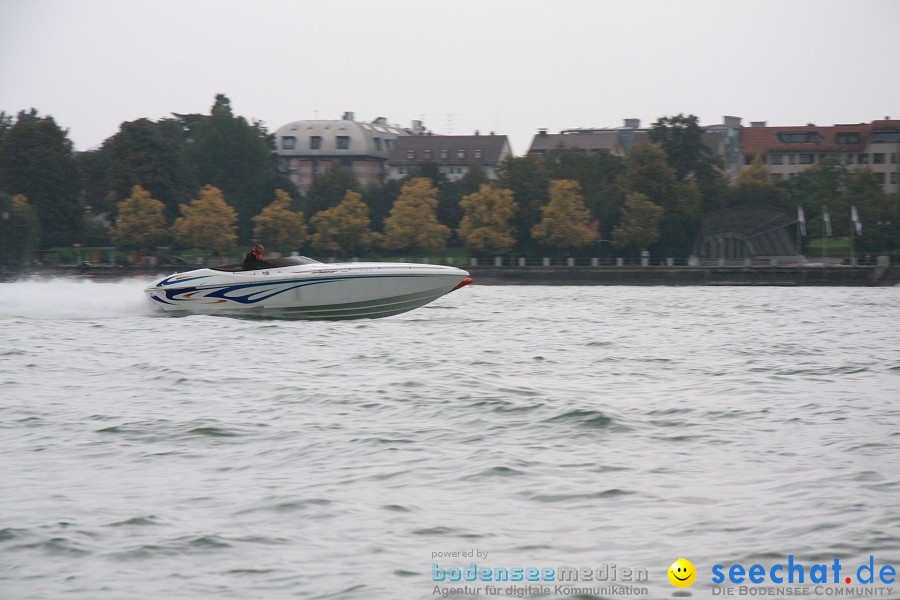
(73, 299)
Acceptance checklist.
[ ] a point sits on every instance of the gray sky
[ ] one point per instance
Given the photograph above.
(510, 66)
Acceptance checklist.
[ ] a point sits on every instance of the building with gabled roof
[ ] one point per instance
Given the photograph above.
(454, 155)
(588, 141)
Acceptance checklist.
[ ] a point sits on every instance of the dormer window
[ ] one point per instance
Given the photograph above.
(288, 142)
(800, 137)
(847, 138)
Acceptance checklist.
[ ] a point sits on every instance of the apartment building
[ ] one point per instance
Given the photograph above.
(790, 150)
(722, 139)
(454, 155)
(310, 147)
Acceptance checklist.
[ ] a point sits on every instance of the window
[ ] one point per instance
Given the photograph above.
(776, 159)
(807, 159)
(288, 142)
(878, 158)
(850, 158)
(427, 154)
(389, 145)
(411, 154)
(862, 158)
(792, 159)
(802, 137)
(847, 138)
(460, 154)
(377, 144)
(315, 142)
(894, 158)
(887, 135)
(342, 142)
(748, 159)
(478, 154)
(894, 177)
(444, 154)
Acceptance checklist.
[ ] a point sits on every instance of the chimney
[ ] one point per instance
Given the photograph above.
(757, 123)
(349, 116)
(477, 132)
(633, 123)
(542, 131)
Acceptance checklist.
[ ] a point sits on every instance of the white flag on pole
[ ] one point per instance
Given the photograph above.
(854, 216)
(801, 219)
(827, 218)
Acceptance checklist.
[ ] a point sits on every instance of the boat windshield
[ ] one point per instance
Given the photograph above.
(272, 263)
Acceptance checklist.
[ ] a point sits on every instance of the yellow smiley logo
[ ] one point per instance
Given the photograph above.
(682, 573)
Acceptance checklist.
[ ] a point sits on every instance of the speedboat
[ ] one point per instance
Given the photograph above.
(302, 288)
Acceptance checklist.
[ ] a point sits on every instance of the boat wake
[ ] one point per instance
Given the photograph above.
(74, 299)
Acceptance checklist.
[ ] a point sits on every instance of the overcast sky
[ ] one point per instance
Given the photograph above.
(510, 66)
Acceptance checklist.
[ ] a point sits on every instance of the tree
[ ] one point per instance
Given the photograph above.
(141, 223)
(207, 222)
(344, 229)
(413, 223)
(19, 230)
(527, 177)
(681, 137)
(279, 225)
(36, 162)
(564, 219)
(597, 174)
(487, 219)
(142, 154)
(380, 198)
(648, 173)
(753, 188)
(227, 152)
(639, 226)
(329, 188)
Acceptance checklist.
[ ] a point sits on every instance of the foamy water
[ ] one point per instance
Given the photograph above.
(209, 457)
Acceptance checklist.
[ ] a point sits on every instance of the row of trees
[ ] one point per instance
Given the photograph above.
(209, 222)
(565, 201)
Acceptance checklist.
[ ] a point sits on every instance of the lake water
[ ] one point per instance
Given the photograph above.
(145, 456)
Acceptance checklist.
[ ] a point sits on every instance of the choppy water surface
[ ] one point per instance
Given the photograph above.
(144, 456)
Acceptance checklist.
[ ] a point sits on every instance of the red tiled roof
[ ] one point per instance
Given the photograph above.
(761, 140)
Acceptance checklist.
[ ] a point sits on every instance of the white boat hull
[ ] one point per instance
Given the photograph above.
(308, 291)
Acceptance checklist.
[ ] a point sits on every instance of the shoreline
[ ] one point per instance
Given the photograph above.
(797, 275)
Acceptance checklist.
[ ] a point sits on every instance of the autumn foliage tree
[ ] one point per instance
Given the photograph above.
(639, 226)
(487, 219)
(413, 222)
(565, 220)
(344, 228)
(207, 222)
(141, 221)
(280, 226)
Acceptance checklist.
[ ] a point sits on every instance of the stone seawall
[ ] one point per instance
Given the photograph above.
(749, 276)
(562, 275)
